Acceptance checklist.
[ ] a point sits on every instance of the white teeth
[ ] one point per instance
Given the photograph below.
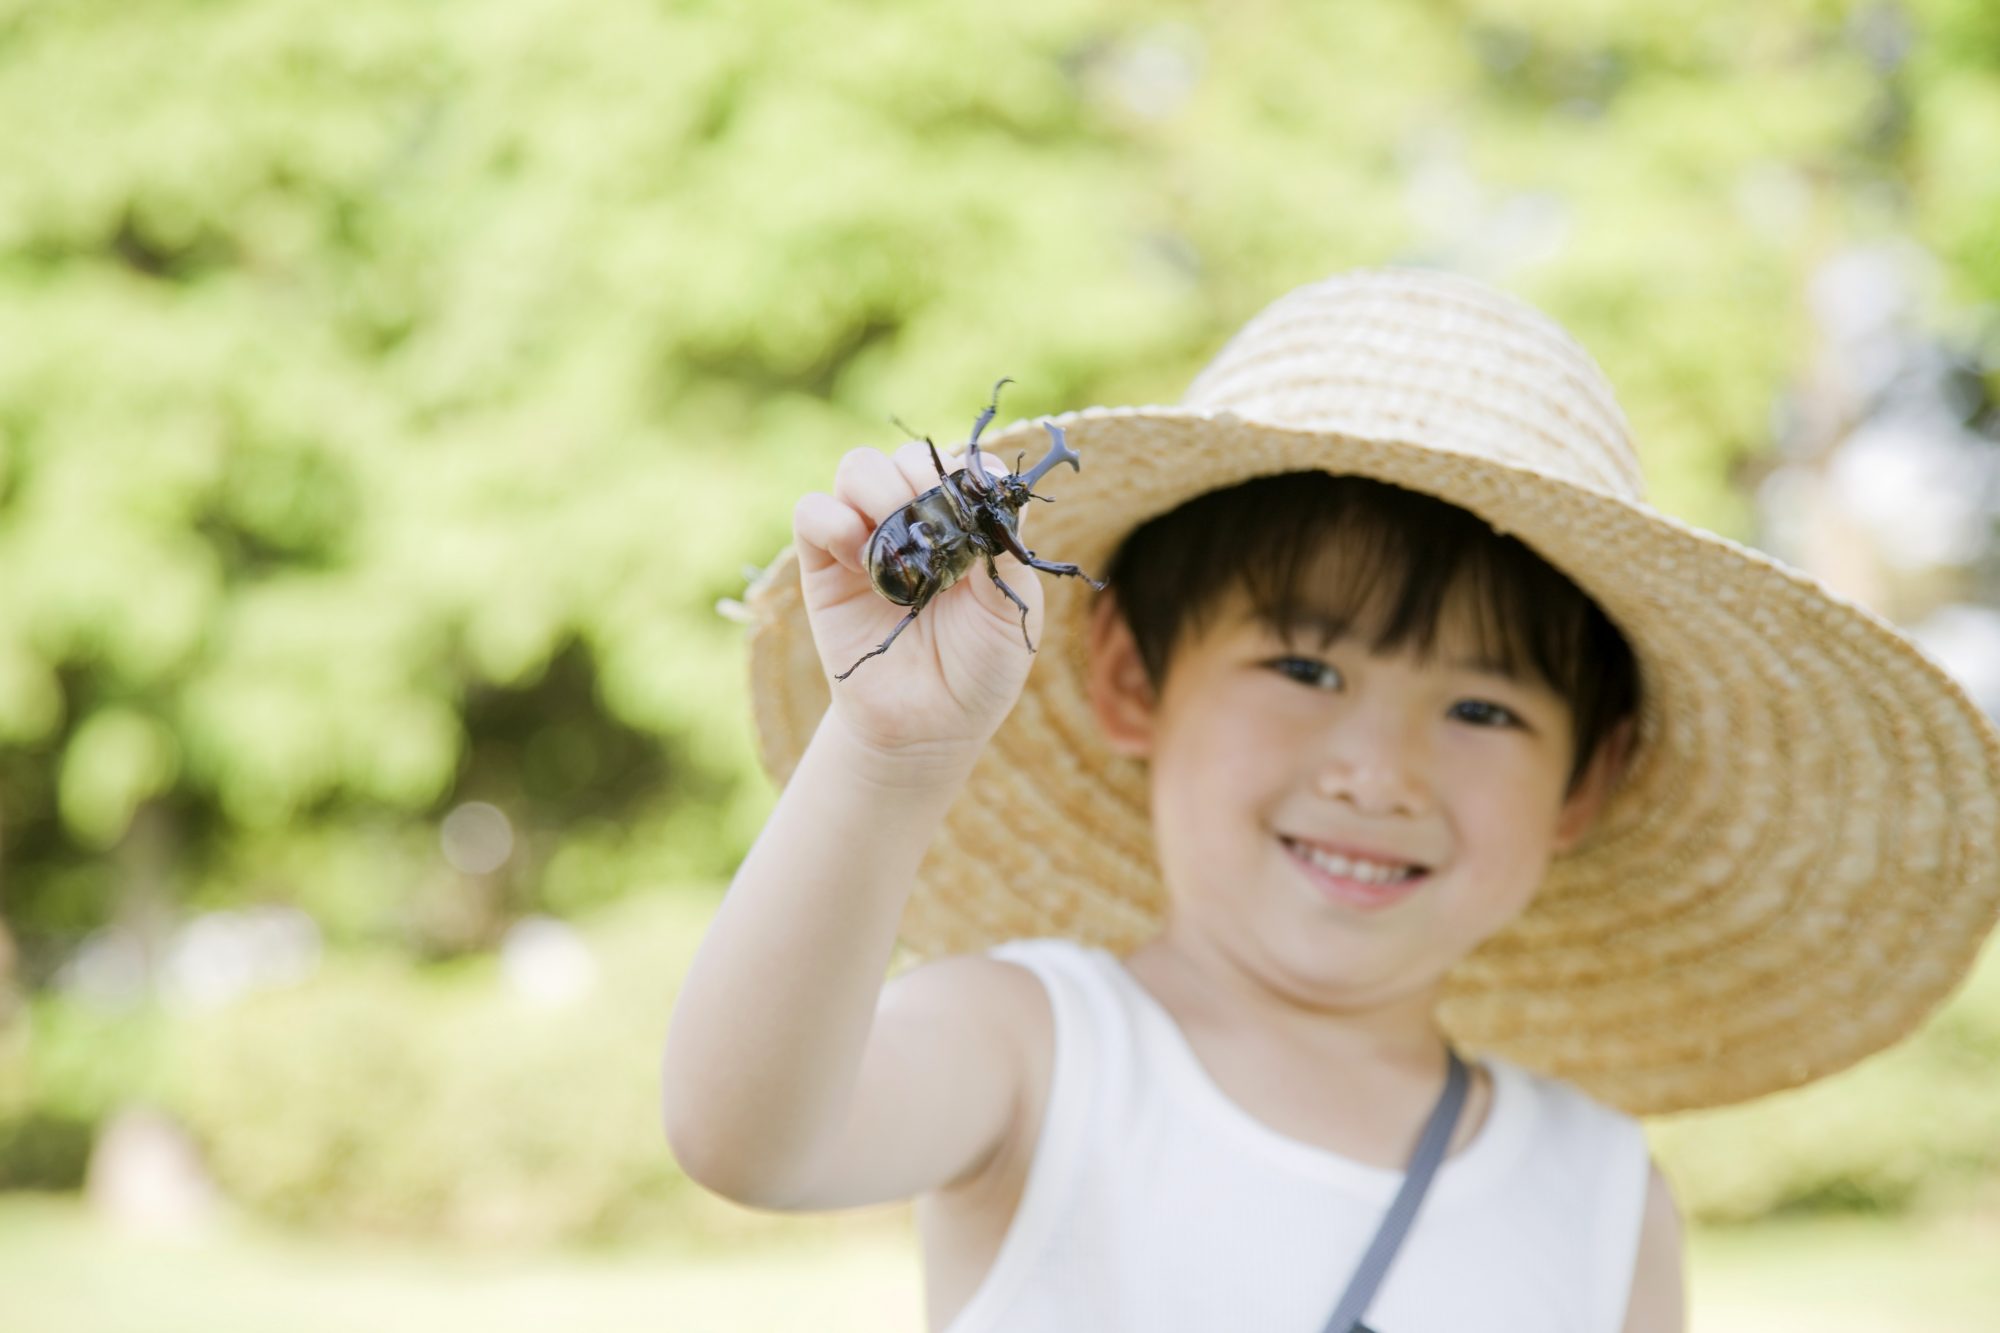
(1368, 872)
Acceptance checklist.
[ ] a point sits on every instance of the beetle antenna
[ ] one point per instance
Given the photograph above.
(1043, 498)
(897, 422)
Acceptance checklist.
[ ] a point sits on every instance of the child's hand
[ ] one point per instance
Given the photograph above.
(951, 676)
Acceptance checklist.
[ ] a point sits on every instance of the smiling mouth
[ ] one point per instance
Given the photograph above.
(1352, 881)
(1365, 869)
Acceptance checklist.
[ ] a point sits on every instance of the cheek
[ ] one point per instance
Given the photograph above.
(1230, 755)
(1212, 784)
(1514, 821)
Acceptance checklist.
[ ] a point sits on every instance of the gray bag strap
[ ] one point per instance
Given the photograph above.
(1424, 1162)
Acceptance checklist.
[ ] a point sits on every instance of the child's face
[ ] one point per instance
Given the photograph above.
(1258, 742)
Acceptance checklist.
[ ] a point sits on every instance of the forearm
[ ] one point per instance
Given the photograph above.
(769, 1029)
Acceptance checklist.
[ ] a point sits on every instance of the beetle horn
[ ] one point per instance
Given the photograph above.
(976, 475)
(986, 417)
(974, 469)
(1059, 452)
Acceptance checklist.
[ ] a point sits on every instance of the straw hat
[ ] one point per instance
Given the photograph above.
(1801, 862)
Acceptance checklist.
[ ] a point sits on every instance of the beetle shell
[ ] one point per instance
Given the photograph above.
(917, 546)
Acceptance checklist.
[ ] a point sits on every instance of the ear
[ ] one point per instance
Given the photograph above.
(1600, 778)
(1121, 696)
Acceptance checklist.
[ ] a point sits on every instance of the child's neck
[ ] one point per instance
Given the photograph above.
(1203, 984)
(1356, 1081)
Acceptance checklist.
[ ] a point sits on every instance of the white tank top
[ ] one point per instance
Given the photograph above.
(1155, 1204)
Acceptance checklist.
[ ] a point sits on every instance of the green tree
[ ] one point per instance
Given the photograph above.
(388, 392)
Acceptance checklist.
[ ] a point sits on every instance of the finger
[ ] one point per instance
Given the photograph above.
(871, 481)
(995, 599)
(826, 531)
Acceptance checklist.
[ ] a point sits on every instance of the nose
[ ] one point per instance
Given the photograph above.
(1375, 761)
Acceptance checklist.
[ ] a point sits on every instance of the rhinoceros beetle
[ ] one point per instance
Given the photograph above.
(928, 545)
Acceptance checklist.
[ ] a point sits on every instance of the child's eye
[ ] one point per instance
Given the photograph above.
(1485, 713)
(1308, 671)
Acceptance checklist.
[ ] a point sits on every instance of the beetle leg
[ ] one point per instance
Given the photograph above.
(1012, 540)
(961, 507)
(883, 647)
(1012, 597)
(937, 462)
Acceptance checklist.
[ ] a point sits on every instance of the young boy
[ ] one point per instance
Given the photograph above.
(1403, 726)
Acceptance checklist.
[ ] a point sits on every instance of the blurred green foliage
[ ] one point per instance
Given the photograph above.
(388, 392)
(377, 1097)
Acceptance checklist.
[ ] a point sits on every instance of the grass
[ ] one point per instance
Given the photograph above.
(61, 1272)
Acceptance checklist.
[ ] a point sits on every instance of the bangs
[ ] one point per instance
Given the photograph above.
(1320, 557)
(1395, 581)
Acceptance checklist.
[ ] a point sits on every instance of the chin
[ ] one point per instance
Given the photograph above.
(1333, 968)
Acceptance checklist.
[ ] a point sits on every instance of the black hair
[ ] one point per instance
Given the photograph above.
(1404, 555)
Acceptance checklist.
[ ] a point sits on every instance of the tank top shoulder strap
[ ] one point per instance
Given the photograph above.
(1092, 1023)
(1088, 1085)
(1601, 1158)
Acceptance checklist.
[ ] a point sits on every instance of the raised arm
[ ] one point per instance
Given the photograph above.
(790, 1079)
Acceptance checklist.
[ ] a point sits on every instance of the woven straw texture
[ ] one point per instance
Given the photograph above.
(1801, 863)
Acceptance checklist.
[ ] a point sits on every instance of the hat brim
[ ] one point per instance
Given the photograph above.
(1800, 865)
